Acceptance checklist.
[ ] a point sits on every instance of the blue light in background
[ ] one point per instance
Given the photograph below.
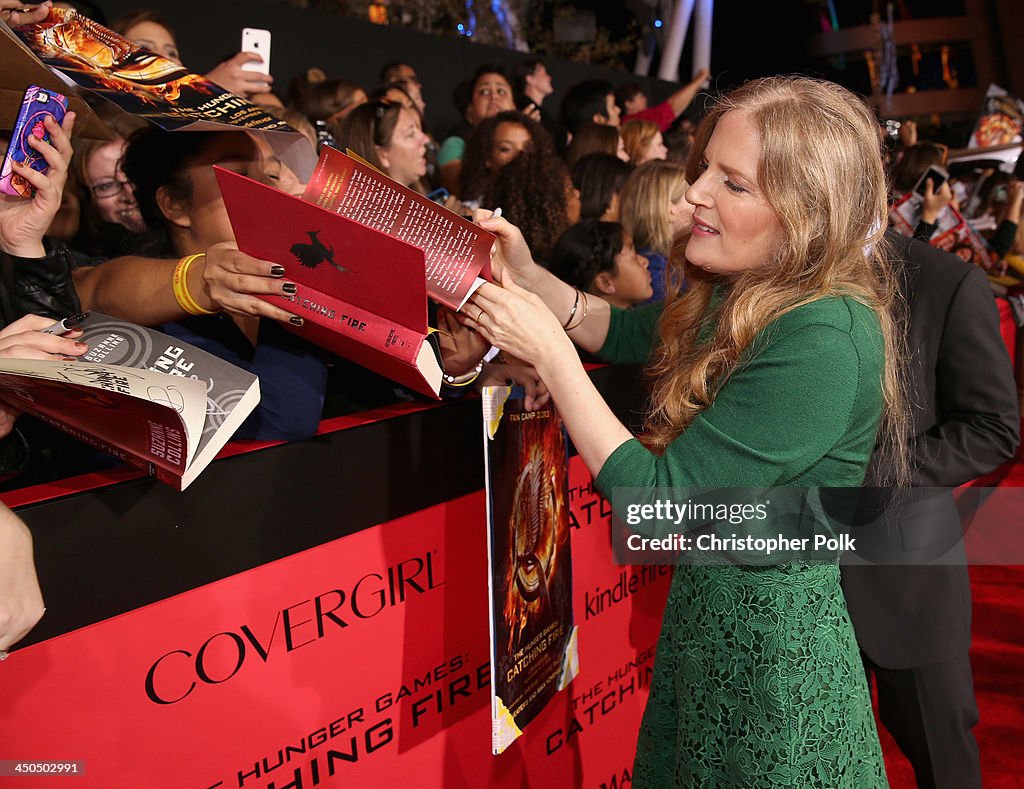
(498, 7)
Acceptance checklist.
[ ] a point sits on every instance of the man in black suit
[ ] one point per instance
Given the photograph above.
(913, 622)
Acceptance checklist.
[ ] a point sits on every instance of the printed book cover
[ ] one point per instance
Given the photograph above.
(148, 399)
(457, 252)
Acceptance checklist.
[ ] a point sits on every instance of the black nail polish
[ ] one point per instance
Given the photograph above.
(289, 288)
(277, 271)
(295, 320)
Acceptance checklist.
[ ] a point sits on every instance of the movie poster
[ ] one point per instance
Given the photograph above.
(953, 233)
(533, 639)
(145, 84)
(965, 242)
(1001, 121)
(137, 80)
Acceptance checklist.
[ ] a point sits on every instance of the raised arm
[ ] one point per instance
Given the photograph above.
(23, 222)
(683, 97)
(232, 75)
(40, 281)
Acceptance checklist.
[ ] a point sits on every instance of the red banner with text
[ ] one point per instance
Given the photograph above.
(361, 662)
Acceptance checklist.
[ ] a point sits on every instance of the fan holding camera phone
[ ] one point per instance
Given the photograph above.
(920, 170)
(34, 171)
(935, 192)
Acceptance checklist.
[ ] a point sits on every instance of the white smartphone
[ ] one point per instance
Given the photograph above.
(257, 40)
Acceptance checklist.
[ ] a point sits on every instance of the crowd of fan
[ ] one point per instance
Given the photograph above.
(596, 185)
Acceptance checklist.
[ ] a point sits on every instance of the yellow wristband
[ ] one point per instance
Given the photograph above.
(179, 285)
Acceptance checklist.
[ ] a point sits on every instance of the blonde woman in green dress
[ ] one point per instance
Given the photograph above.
(778, 366)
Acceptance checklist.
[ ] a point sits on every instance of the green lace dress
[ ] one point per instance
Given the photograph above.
(758, 680)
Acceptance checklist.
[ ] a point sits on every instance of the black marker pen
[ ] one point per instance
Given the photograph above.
(65, 325)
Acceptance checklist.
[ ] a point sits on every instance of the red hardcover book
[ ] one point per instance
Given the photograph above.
(456, 251)
(361, 293)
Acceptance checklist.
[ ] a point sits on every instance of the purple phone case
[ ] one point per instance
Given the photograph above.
(37, 104)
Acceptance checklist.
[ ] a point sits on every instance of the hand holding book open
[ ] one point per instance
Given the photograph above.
(461, 348)
(24, 339)
(144, 397)
(519, 322)
(362, 254)
(16, 13)
(235, 282)
(536, 308)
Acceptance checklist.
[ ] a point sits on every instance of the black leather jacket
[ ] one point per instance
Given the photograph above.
(42, 286)
(39, 285)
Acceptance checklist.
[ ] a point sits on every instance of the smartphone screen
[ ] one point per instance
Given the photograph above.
(36, 106)
(938, 176)
(439, 195)
(257, 40)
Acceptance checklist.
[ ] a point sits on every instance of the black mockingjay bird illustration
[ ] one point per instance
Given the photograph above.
(313, 254)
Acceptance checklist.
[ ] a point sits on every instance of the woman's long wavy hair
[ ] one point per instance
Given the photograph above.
(533, 192)
(821, 172)
(476, 174)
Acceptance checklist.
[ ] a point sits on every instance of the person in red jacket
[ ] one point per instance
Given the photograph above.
(632, 102)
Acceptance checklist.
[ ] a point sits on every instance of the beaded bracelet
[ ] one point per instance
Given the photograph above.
(572, 312)
(465, 379)
(583, 317)
(179, 285)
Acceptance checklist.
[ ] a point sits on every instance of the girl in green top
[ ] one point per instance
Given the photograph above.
(776, 367)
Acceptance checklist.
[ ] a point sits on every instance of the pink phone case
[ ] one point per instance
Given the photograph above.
(37, 104)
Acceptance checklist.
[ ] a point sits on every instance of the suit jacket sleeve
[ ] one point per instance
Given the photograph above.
(978, 420)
